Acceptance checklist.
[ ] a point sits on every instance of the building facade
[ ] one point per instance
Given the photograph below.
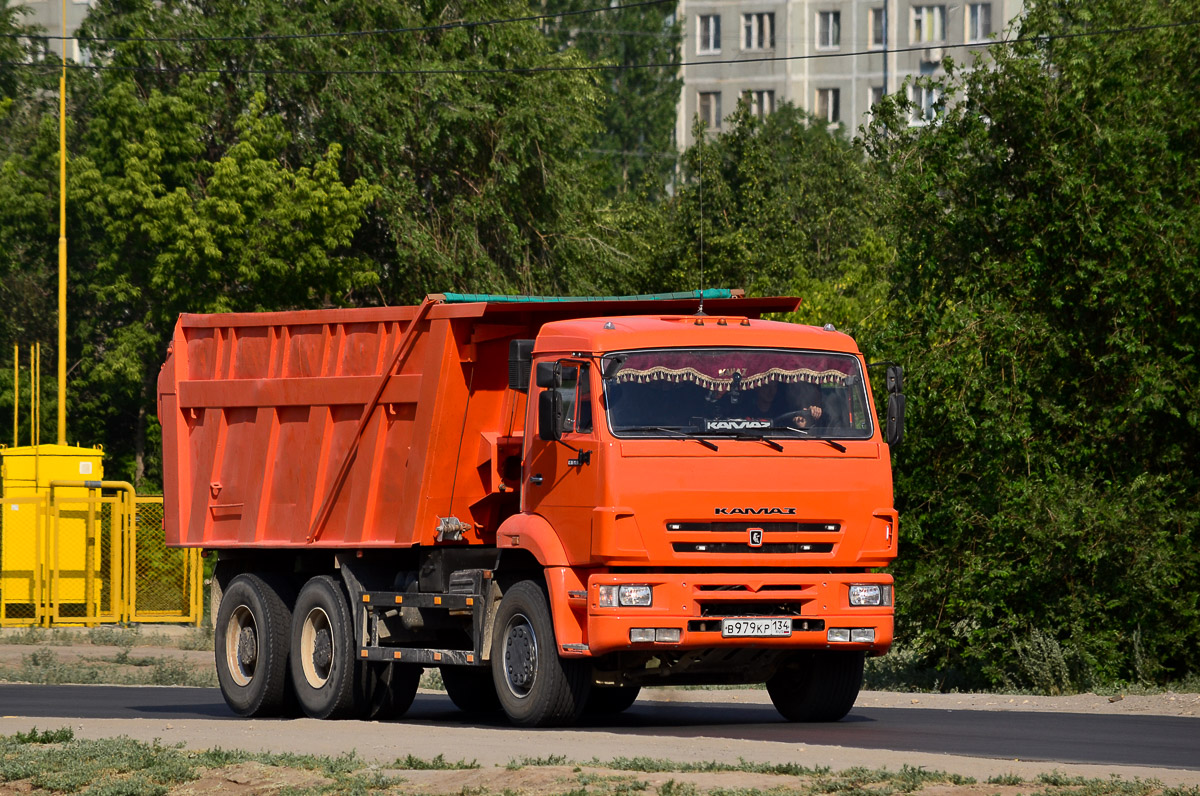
(48, 14)
(834, 58)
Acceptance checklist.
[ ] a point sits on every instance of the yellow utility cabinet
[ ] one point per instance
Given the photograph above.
(51, 563)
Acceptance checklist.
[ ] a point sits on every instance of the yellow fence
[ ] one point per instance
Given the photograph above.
(83, 555)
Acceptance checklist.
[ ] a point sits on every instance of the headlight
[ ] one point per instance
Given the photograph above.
(870, 594)
(612, 595)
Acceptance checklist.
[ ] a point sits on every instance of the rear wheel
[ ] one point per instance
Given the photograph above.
(611, 700)
(322, 650)
(817, 686)
(385, 690)
(535, 686)
(471, 688)
(251, 643)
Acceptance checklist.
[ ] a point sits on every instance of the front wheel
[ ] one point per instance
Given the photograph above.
(536, 687)
(817, 686)
(611, 700)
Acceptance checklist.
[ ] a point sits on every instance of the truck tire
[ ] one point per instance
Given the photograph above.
(817, 686)
(251, 643)
(535, 686)
(385, 690)
(323, 662)
(611, 700)
(471, 689)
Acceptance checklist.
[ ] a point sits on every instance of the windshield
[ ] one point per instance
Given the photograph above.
(716, 391)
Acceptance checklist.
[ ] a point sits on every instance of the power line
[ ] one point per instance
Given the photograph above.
(353, 33)
(596, 67)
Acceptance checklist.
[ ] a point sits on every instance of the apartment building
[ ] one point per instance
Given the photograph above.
(835, 58)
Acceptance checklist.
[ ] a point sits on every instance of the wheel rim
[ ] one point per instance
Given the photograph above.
(241, 645)
(316, 648)
(520, 656)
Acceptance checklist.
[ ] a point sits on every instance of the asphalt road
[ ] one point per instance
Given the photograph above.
(1147, 741)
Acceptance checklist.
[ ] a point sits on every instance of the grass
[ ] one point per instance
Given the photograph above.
(124, 636)
(54, 760)
(43, 666)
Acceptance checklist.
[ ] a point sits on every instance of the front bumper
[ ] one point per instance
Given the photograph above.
(696, 604)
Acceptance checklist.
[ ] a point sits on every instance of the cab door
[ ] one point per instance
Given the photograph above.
(561, 478)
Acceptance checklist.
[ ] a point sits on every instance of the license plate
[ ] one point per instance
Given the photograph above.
(756, 628)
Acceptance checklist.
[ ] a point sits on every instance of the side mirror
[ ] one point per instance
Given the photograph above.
(549, 374)
(895, 419)
(550, 412)
(520, 363)
(895, 380)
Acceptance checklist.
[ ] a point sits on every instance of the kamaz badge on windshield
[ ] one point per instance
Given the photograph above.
(752, 510)
(735, 425)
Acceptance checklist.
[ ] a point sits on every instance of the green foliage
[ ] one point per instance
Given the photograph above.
(61, 735)
(635, 150)
(781, 205)
(437, 763)
(1045, 294)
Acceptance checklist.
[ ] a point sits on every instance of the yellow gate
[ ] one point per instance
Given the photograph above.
(79, 556)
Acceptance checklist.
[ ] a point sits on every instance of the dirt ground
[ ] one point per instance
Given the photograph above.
(494, 749)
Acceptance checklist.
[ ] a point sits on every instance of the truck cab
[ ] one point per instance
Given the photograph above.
(721, 493)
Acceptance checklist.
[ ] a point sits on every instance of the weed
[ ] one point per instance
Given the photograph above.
(432, 680)
(552, 760)
(1005, 779)
(114, 636)
(1059, 779)
(648, 764)
(439, 763)
(673, 788)
(61, 735)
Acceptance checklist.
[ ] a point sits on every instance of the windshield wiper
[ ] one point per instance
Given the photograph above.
(804, 432)
(742, 435)
(668, 430)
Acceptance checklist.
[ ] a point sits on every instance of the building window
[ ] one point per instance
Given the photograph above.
(829, 30)
(761, 103)
(928, 23)
(710, 109)
(979, 21)
(926, 104)
(709, 38)
(829, 105)
(876, 19)
(876, 95)
(758, 31)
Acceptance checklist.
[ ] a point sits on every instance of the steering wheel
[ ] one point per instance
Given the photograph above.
(788, 420)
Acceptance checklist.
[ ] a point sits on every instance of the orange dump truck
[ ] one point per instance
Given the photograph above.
(554, 501)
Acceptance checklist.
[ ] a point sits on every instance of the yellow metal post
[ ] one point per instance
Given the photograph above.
(16, 393)
(62, 238)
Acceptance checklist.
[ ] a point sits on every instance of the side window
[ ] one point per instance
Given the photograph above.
(576, 393)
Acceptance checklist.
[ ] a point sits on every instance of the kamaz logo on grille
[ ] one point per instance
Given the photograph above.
(752, 510)
(756, 535)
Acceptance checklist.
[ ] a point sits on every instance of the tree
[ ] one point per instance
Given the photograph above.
(163, 230)
(635, 151)
(1045, 294)
(778, 206)
(468, 131)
